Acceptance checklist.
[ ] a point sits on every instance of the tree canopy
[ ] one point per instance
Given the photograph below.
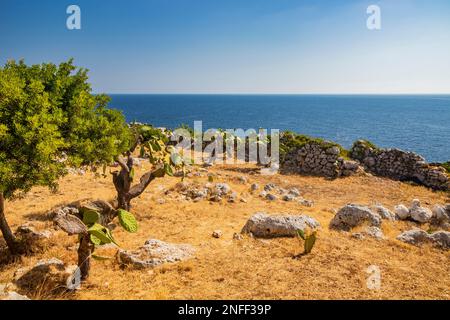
(49, 119)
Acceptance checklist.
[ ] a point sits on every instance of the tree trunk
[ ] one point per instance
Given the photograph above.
(122, 181)
(14, 246)
(84, 256)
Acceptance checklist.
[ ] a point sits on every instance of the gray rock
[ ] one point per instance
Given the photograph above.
(353, 215)
(420, 214)
(402, 212)
(264, 226)
(254, 187)
(441, 239)
(374, 232)
(50, 274)
(271, 197)
(288, 197)
(306, 203)
(269, 187)
(222, 189)
(28, 231)
(294, 192)
(384, 213)
(439, 213)
(154, 253)
(415, 237)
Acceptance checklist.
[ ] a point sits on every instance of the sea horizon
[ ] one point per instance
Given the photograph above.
(411, 122)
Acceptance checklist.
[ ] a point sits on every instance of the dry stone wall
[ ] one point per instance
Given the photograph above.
(399, 165)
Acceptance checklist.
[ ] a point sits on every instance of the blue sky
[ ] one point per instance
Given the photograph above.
(238, 46)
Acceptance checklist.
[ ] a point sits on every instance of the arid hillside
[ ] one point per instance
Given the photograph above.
(231, 267)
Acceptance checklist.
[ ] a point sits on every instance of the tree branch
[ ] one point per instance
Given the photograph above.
(145, 180)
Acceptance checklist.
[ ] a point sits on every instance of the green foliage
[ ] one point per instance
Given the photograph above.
(127, 221)
(309, 239)
(100, 235)
(446, 166)
(90, 217)
(50, 119)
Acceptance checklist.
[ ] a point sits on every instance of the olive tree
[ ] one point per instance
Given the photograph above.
(49, 121)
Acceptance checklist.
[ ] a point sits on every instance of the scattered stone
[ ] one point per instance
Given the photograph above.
(358, 236)
(161, 201)
(233, 197)
(271, 197)
(254, 187)
(384, 213)
(237, 236)
(264, 226)
(217, 234)
(420, 214)
(294, 192)
(263, 194)
(306, 203)
(51, 275)
(374, 232)
(402, 212)
(28, 231)
(439, 213)
(441, 239)
(288, 197)
(418, 237)
(243, 200)
(415, 237)
(154, 253)
(353, 215)
(269, 187)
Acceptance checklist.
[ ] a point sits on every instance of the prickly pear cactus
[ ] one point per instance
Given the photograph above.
(127, 221)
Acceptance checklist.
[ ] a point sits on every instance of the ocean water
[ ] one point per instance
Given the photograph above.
(414, 123)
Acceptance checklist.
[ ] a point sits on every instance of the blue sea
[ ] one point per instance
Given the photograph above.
(414, 123)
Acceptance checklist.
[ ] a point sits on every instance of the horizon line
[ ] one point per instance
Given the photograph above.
(279, 94)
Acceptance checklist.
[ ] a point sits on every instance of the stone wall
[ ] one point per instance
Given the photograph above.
(318, 159)
(399, 165)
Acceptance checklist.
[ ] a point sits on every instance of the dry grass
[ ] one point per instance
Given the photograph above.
(248, 269)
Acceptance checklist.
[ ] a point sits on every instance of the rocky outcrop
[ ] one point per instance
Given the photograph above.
(353, 215)
(418, 237)
(319, 159)
(262, 225)
(399, 165)
(51, 276)
(154, 253)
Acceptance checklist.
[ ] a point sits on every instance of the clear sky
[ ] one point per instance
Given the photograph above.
(238, 46)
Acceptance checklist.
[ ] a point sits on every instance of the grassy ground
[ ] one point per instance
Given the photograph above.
(249, 269)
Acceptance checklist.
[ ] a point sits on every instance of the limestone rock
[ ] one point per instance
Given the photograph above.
(217, 234)
(154, 253)
(441, 239)
(271, 197)
(384, 213)
(402, 212)
(420, 214)
(264, 226)
(418, 237)
(353, 215)
(414, 237)
(50, 275)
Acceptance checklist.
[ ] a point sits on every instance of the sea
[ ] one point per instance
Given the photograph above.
(418, 123)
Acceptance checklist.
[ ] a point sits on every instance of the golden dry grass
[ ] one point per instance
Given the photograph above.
(249, 269)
